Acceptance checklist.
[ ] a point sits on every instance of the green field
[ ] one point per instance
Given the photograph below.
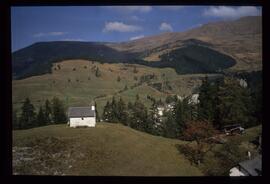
(108, 149)
(84, 86)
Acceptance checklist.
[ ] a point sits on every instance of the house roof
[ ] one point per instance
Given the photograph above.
(80, 112)
(252, 166)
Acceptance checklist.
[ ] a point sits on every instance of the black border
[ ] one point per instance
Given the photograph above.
(6, 92)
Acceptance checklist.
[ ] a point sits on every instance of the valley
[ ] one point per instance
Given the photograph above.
(155, 104)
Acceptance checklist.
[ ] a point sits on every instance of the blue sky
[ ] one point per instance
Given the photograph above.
(112, 23)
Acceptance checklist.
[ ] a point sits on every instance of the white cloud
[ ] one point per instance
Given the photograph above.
(135, 18)
(171, 7)
(120, 27)
(49, 34)
(131, 9)
(73, 39)
(231, 12)
(136, 37)
(165, 27)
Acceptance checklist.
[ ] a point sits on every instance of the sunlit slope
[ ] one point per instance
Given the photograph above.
(76, 84)
(108, 149)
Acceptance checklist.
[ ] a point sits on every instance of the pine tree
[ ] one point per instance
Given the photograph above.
(180, 113)
(41, 119)
(256, 108)
(129, 114)
(15, 122)
(206, 110)
(114, 108)
(139, 118)
(107, 112)
(122, 111)
(97, 114)
(48, 112)
(171, 128)
(28, 116)
(233, 104)
(58, 111)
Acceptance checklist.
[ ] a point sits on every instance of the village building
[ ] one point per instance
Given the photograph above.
(82, 116)
(170, 106)
(194, 99)
(248, 168)
(242, 83)
(160, 110)
(181, 98)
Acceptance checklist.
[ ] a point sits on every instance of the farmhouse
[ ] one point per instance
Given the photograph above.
(194, 99)
(160, 110)
(82, 116)
(248, 168)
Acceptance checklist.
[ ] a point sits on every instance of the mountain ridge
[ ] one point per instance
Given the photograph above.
(240, 40)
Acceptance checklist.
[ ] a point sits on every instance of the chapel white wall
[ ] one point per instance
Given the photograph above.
(87, 121)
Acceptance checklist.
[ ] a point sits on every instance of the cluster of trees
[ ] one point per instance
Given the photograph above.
(221, 103)
(134, 114)
(52, 112)
(199, 132)
(147, 78)
(137, 116)
(226, 102)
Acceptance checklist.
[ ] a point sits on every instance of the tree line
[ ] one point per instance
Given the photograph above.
(51, 112)
(221, 102)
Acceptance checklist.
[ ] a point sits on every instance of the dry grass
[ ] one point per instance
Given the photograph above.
(108, 149)
(84, 86)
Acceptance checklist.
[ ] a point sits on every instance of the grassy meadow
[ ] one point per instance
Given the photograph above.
(108, 149)
(77, 85)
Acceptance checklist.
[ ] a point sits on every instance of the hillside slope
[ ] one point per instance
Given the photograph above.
(107, 150)
(38, 58)
(77, 85)
(240, 39)
(238, 43)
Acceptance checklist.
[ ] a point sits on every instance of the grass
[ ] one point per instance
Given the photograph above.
(107, 150)
(83, 91)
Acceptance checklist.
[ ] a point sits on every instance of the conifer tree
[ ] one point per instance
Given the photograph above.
(207, 101)
(233, 103)
(129, 113)
(107, 112)
(58, 111)
(48, 112)
(28, 115)
(181, 114)
(139, 117)
(97, 114)
(122, 111)
(114, 109)
(41, 119)
(15, 122)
